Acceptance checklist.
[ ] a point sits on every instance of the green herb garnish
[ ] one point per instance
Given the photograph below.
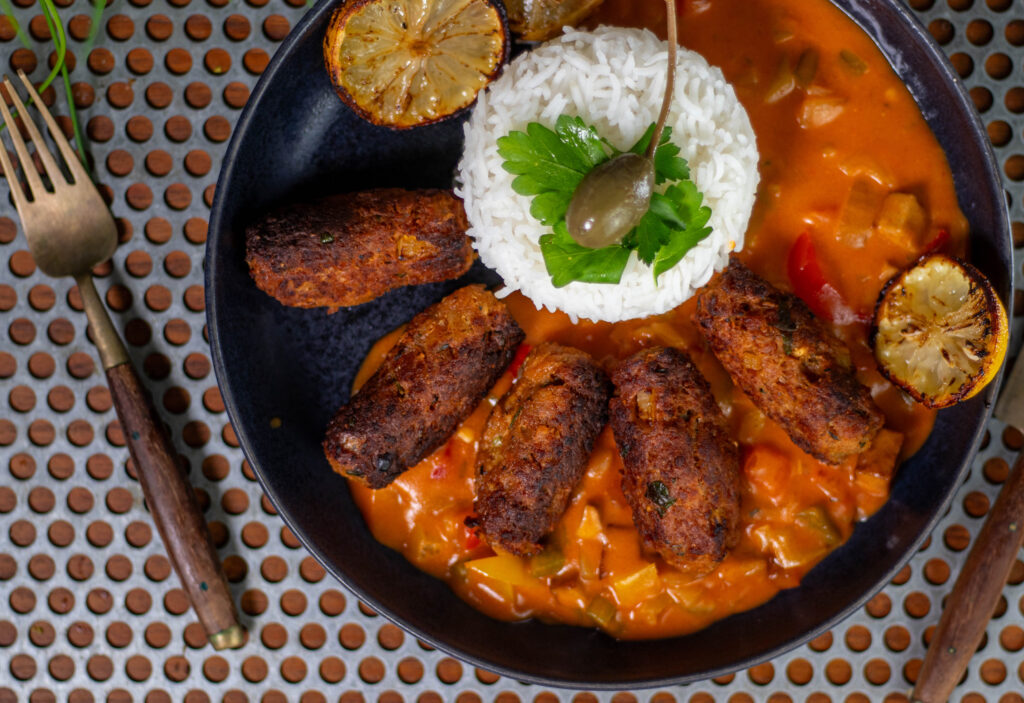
(657, 493)
(60, 44)
(549, 165)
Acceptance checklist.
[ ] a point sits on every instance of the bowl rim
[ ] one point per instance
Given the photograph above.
(300, 34)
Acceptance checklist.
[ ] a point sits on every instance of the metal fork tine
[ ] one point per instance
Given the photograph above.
(42, 148)
(69, 154)
(17, 194)
(35, 183)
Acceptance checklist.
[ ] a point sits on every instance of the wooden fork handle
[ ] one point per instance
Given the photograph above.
(976, 593)
(165, 487)
(174, 508)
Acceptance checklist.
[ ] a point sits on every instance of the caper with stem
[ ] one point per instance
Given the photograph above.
(612, 199)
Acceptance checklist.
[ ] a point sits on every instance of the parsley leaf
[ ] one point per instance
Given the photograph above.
(587, 142)
(549, 165)
(650, 236)
(668, 165)
(541, 161)
(549, 208)
(686, 201)
(567, 261)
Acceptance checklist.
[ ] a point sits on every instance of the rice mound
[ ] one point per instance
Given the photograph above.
(613, 78)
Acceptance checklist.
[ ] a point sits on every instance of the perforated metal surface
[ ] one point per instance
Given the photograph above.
(89, 609)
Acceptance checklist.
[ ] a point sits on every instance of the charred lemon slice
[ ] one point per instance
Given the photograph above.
(404, 63)
(539, 20)
(940, 332)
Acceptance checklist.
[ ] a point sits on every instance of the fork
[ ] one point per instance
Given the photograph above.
(70, 230)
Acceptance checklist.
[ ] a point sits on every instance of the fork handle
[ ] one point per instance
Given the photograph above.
(975, 595)
(174, 508)
(169, 496)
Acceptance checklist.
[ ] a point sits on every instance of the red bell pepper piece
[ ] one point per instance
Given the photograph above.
(519, 358)
(938, 243)
(811, 286)
(470, 522)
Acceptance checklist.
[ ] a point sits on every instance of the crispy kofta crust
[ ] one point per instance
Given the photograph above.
(442, 365)
(350, 248)
(682, 467)
(792, 367)
(535, 446)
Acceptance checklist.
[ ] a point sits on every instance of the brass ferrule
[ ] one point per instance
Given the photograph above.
(108, 342)
(229, 638)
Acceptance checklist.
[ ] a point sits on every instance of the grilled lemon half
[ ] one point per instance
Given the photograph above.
(405, 63)
(940, 331)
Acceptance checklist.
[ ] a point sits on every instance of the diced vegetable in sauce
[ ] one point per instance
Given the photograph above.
(601, 610)
(503, 572)
(548, 563)
(590, 526)
(858, 215)
(820, 110)
(782, 84)
(806, 68)
(853, 63)
(639, 585)
(902, 220)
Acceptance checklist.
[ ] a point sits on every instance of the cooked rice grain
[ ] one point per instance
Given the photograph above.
(614, 79)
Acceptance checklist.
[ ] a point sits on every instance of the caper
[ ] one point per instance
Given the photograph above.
(611, 200)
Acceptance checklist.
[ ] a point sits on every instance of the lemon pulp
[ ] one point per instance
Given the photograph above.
(409, 62)
(940, 331)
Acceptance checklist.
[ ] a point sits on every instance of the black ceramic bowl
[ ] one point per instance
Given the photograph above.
(296, 138)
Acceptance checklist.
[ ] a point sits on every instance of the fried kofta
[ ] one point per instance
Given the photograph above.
(535, 446)
(441, 367)
(350, 248)
(682, 467)
(792, 367)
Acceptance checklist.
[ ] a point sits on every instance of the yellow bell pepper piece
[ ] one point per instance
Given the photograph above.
(502, 572)
(639, 585)
(590, 525)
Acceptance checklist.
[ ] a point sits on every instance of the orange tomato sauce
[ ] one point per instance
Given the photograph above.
(829, 179)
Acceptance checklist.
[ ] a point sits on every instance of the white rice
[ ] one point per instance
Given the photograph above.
(614, 79)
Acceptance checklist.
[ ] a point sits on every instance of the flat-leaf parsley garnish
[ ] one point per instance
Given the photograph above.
(549, 165)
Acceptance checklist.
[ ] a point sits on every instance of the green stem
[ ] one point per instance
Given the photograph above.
(94, 26)
(73, 114)
(59, 40)
(9, 11)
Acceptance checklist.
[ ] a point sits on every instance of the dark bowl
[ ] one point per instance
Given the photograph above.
(295, 139)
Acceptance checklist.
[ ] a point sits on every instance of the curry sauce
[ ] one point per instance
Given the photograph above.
(853, 182)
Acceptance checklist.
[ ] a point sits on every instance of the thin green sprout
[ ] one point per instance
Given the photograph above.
(60, 41)
(9, 11)
(73, 115)
(94, 27)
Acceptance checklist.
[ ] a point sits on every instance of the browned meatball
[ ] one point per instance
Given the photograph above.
(441, 367)
(682, 467)
(535, 447)
(351, 248)
(792, 367)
